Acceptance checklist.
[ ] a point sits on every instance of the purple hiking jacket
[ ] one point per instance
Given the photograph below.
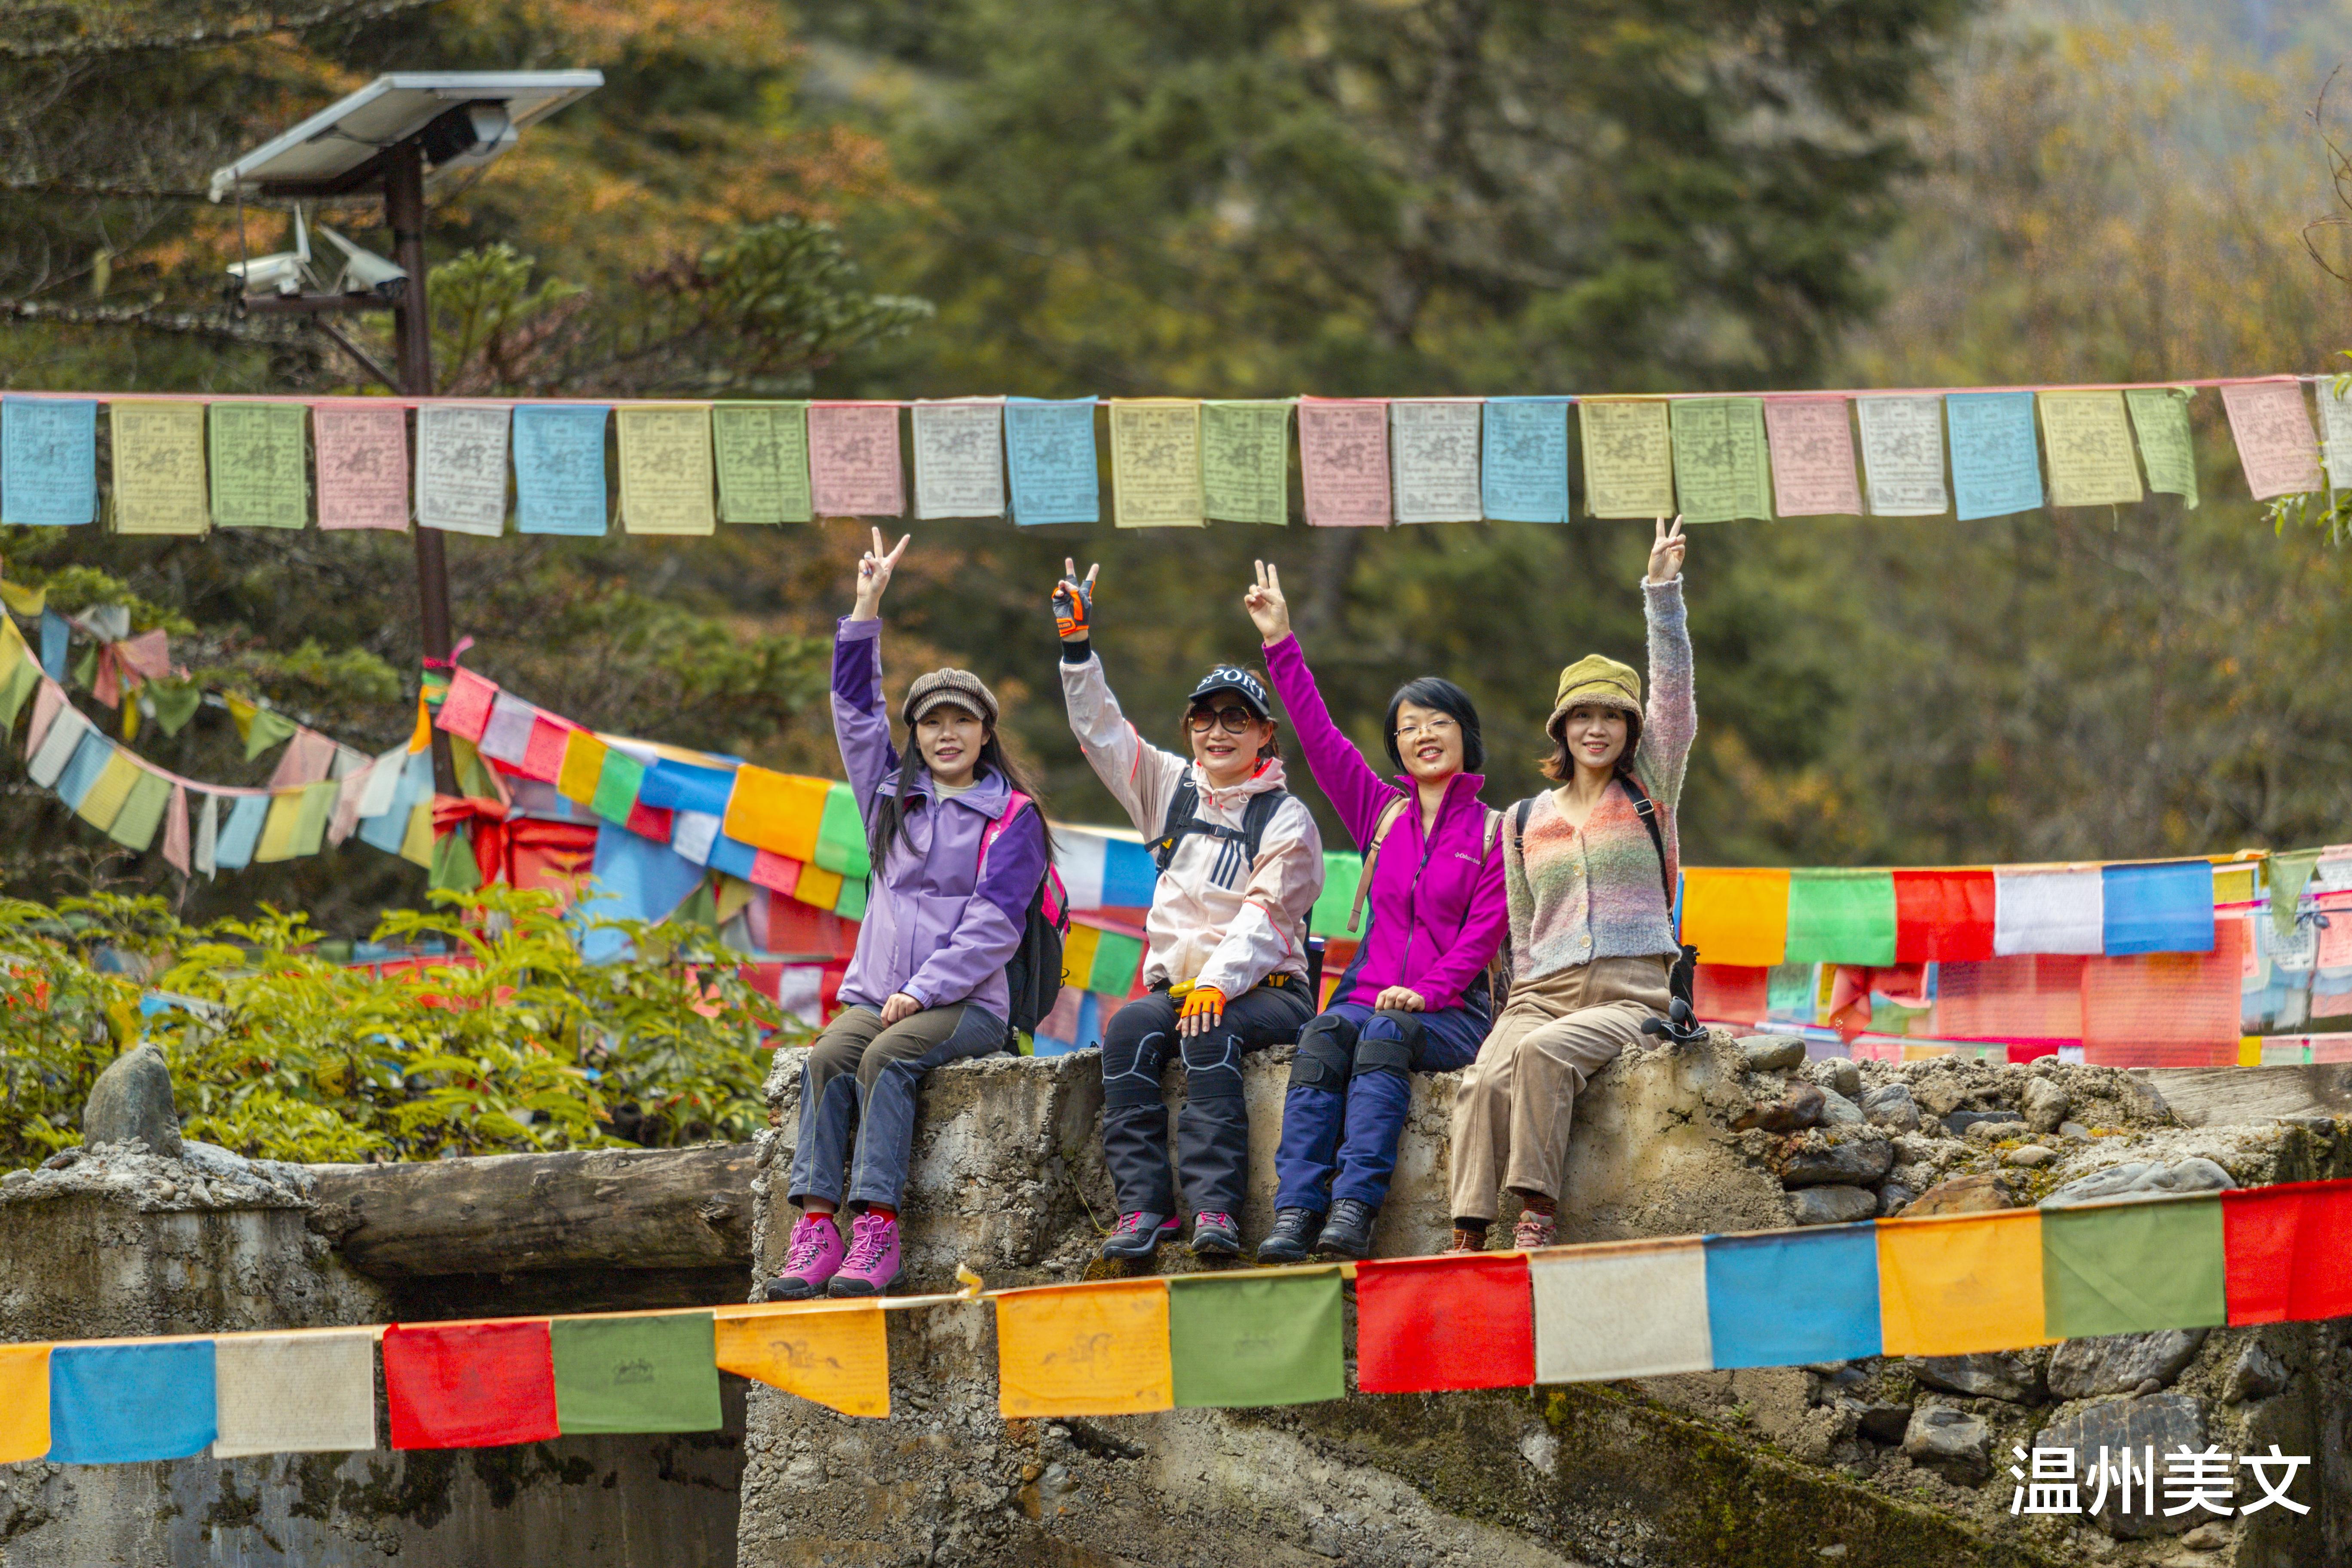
(1436, 907)
(934, 927)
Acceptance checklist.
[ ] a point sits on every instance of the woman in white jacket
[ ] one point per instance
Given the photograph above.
(1241, 863)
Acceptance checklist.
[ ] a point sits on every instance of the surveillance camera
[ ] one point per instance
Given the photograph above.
(364, 272)
(470, 133)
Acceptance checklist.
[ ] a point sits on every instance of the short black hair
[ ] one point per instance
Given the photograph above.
(1433, 692)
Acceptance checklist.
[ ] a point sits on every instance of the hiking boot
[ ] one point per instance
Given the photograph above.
(1349, 1232)
(1292, 1238)
(1216, 1235)
(872, 1265)
(1467, 1240)
(1139, 1235)
(1534, 1230)
(815, 1258)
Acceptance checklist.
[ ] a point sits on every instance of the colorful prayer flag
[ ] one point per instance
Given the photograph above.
(2057, 910)
(1246, 460)
(1524, 470)
(2133, 1268)
(304, 1393)
(1629, 457)
(1945, 915)
(2160, 416)
(1098, 1349)
(559, 468)
(641, 1373)
(470, 1385)
(617, 786)
(2274, 440)
(1252, 1341)
(1155, 463)
(959, 456)
(261, 471)
(582, 768)
(2090, 443)
(232, 850)
(1737, 916)
(130, 1404)
(2287, 1261)
(778, 812)
(841, 834)
(24, 1403)
(1049, 450)
(1995, 471)
(1343, 461)
(833, 1353)
(102, 802)
(665, 469)
(1903, 454)
(143, 808)
(1813, 456)
(360, 447)
(854, 459)
(461, 468)
(465, 712)
(1841, 917)
(1427, 1324)
(1632, 1309)
(760, 450)
(1957, 1284)
(2167, 906)
(1433, 445)
(1721, 470)
(49, 462)
(159, 467)
(1787, 1297)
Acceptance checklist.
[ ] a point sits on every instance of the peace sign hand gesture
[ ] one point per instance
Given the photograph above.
(1266, 605)
(874, 569)
(1074, 602)
(1666, 553)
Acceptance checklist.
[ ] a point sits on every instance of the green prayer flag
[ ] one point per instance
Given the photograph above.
(2160, 416)
(1341, 871)
(175, 703)
(23, 681)
(318, 805)
(1116, 958)
(266, 729)
(260, 477)
(453, 861)
(2290, 875)
(701, 909)
(657, 1373)
(841, 836)
(2133, 1268)
(1246, 460)
(762, 449)
(85, 669)
(617, 786)
(1722, 469)
(1268, 1340)
(135, 826)
(851, 904)
(1841, 917)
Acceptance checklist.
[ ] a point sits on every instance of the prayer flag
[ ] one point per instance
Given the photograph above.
(1078, 860)
(1902, 453)
(1994, 469)
(129, 1404)
(779, 812)
(1945, 915)
(142, 809)
(762, 453)
(959, 456)
(48, 758)
(263, 728)
(1426, 1324)
(57, 641)
(1343, 875)
(1434, 442)
(234, 849)
(851, 905)
(651, 1372)
(1957, 1284)
(1343, 461)
(1634, 1308)
(543, 754)
(583, 768)
(102, 802)
(506, 736)
(2334, 434)
(1813, 456)
(1737, 916)
(1787, 1298)
(1245, 460)
(279, 828)
(470, 1385)
(360, 447)
(674, 785)
(2062, 910)
(693, 834)
(159, 467)
(2133, 1268)
(1524, 475)
(666, 471)
(1098, 1348)
(841, 834)
(1155, 463)
(305, 762)
(2090, 445)
(1721, 470)
(777, 873)
(313, 806)
(175, 831)
(207, 850)
(2160, 416)
(854, 459)
(1079, 956)
(2274, 433)
(91, 758)
(311, 1392)
(817, 886)
(465, 712)
(1629, 457)
(1049, 449)
(1841, 917)
(833, 1353)
(24, 1403)
(1256, 1340)
(559, 468)
(2287, 1257)
(617, 786)
(260, 472)
(48, 461)
(2167, 906)
(461, 468)
(1116, 958)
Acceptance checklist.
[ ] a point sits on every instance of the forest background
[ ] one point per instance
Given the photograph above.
(1252, 198)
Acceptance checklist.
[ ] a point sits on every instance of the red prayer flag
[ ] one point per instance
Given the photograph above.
(542, 756)
(465, 712)
(778, 873)
(1943, 916)
(470, 1385)
(1425, 1324)
(2287, 1257)
(650, 821)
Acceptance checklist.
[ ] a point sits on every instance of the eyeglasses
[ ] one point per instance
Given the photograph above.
(1435, 728)
(1236, 721)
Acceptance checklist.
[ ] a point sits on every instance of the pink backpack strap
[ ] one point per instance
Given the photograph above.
(1054, 897)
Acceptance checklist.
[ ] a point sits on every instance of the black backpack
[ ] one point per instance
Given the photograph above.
(1241, 843)
(1032, 977)
(1684, 970)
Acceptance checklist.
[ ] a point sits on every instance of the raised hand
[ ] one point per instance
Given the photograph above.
(1074, 602)
(1266, 605)
(874, 569)
(1666, 553)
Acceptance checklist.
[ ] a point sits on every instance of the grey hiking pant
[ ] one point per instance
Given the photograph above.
(858, 1083)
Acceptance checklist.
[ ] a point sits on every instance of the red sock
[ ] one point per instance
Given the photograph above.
(885, 1210)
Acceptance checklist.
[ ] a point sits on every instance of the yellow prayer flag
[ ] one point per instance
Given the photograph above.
(317, 804)
(419, 739)
(665, 470)
(776, 812)
(159, 467)
(241, 712)
(1155, 463)
(2090, 443)
(1629, 457)
(734, 897)
(1738, 917)
(583, 764)
(1084, 1350)
(416, 844)
(1078, 954)
(1957, 1284)
(2232, 884)
(24, 1403)
(108, 790)
(13, 649)
(833, 1353)
(26, 601)
(278, 829)
(817, 886)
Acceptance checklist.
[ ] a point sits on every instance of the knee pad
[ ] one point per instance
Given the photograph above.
(1389, 1043)
(1212, 1065)
(1323, 1055)
(1131, 1067)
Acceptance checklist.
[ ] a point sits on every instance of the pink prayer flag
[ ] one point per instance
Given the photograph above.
(175, 830)
(853, 468)
(147, 656)
(106, 685)
(465, 712)
(543, 758)
(1343, 452)
(507, 736)
(305, 761)
(2274, 437)
(779, 873)
(46, 704)
(345, 819)
(1813, 456)
(361, 449)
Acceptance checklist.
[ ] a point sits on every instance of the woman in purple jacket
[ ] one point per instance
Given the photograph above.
(1415, 998)
(959, 847)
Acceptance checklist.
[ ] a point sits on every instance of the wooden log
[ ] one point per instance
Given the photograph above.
(507, 1213)
(2217, 1096)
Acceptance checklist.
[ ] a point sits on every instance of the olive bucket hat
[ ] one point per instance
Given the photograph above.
(1598, 680)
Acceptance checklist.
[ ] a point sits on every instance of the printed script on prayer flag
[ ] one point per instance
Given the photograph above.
(461, 468)
(761, 450)
(2334, 435)
(2090, 444)
(854, 459)
(1903, 451)
(1433, 447)
(1629, 457)
(259, 479)
(1995, 470)
(1525, 474)
(1721, 471)
(48, 461)
(959, 457)
(1049, 458)
(1813, 456)
(1246, 460)
(1155, 463)
(362, 450)
(2274, 440)
(1343, 455)
(159, 467)
(665, 478)
(2160, 416)
(559, 468)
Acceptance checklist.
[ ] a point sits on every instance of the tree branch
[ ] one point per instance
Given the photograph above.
(183, 40)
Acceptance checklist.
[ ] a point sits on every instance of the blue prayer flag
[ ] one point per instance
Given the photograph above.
(122, 1405)
(2162, 908)
(48, 460)
(232, 850)
(634, 878)
(1524, 477)
(1049, 450)
(89, 760)
(733, 856)
(559, 465)
(674, 785)
(1129, 878)
(389, 831)
(57, 640)
(1996, 469)
(1787, 1297)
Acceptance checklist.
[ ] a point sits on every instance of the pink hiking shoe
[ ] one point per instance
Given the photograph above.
(815, 1258)
(872, 1265)
(1534, 1230)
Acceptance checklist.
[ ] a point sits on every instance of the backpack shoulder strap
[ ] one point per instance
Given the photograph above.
(1256, 816)
(1388, 819)
(1647, 810)
(996, 827)
(1490, 833)
(1519, 814)
(1182, 812)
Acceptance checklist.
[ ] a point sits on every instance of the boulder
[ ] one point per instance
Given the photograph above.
(1772, 1053)
(2073, 1133)
(1894, 1198)
(2030, 1156)
(1820, 1161)
(2257, 1374)
(1992, 1131)
(1891, 1106)
(1939, 1094)
(1962, 1195)
(1799, 1108)
(2162, 1421)
(2015, 1376)
(2152, 1178)
(131, 1103)
(1880, 1420)
(2120, 1363)
(1952, 1443)
(1837, 1111)
(1832, 1205)
(2045, 1105)
(1838, 1075)
(1958, 1123)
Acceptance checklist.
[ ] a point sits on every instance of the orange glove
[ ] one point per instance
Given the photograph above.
(1205, 1007)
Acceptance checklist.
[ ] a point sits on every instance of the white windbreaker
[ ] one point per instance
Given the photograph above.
(1229, 931)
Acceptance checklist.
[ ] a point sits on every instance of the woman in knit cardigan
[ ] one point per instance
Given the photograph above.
(1591, 932)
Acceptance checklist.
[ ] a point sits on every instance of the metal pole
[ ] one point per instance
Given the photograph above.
(412, 331)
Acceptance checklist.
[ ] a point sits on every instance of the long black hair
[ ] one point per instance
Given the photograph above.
(1432, 691)
(890, 812)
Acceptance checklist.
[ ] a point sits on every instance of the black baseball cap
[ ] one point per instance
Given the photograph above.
(1240, 682)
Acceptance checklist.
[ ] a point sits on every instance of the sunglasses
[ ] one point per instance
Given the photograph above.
(1235, 720)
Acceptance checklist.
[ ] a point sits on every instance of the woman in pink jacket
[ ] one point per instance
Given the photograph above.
(1415, 999)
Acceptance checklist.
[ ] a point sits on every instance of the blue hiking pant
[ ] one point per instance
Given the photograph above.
(1351, 1087)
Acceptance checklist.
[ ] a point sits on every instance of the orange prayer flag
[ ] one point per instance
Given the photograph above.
(833, 1353)
(24, 1403)
(777, 811)
(1737, 916)
(1957, 1284)
(1099, 1349)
